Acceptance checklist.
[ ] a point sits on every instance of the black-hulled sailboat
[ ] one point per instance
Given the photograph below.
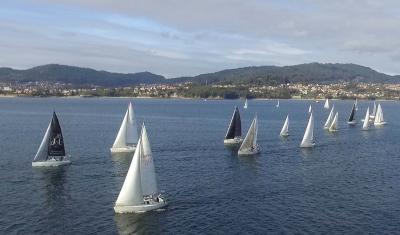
(234, 134)
(352, 119)
(51, 151)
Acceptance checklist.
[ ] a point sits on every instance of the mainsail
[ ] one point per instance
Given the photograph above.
(330, 118)
(285, 128)
(277, 105)
(353, 113)
(245, 104)
(309, 109)
(373, 111)
(147, 170)
(366, 120)
(235, 126)
(250, 141)
(127, 134)
(326, 105)
(308, 138)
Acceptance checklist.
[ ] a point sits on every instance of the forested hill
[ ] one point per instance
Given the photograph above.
(78, 76)
(310, 73)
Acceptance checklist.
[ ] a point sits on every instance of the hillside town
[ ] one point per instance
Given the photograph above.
(344, 90)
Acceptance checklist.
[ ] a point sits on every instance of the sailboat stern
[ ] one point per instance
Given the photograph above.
(152, 205)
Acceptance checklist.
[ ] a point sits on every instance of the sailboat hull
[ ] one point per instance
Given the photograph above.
(235, 141)
(51, 163)
(307, 145)
(380, 124)
(352, 123)
(140, 208)
(127, 149)
(249, 152)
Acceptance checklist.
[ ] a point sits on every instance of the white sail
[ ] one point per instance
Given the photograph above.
(285, 128)
(41, 154)
(245, 104)
(356, 104)
(310, 109)
(334, 124)
(373, 111)
(277, 105)
(131, 192)
(308, 138)
(379, 120)
(330, 118)
(250, 141)
(148, 173)
(131, 127)
(366, 120)
(127, 134)
(326, 105)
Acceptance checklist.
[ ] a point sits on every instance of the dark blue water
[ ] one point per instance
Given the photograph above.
(348, 184)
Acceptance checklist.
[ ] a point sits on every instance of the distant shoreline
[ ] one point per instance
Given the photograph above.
(171, 98)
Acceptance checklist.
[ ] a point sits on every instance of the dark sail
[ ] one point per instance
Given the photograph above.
(353, 113)
(56, 140)
(235, 127)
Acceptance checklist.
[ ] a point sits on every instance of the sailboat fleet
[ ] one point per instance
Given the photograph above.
(140, 192)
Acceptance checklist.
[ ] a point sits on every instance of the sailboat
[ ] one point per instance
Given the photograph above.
(285, 128)
(245, 104)
(308, 138)
(372, 115)
(234, 134)
(334, 125)
(249, 145)
(277, 105)
(127, 136)
(309, 109)
(326, 105)
(379, 120)
(330, 118)
(352, 120)
(140, 192)
(51, 151)
(366, 121)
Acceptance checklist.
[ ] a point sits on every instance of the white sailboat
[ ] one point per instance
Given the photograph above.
(51, 151)
(277, 105)
(326, 105)
(310, 109)
(234, 134)
(334, 125)
(379, 120)
(356, 104)
(366, 120)
(245, 104)
(140, 193)
(308, 138)
(352, 120)
(249, 145)
(285, 127)
(127, 136)
(330, 118)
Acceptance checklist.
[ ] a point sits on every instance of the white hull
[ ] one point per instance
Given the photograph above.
(235, 141)
(284, 134)
(380, 124)
(140, 208)
(352, 123)
(51, 163)
(127, 149)
(307, 145)
(249, 152)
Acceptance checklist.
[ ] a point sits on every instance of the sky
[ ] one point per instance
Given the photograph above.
(185, 37)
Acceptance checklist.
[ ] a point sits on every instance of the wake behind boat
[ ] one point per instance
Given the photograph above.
(51, 151)
(233, 136)
(140, 191)
(249, 145)
(127, 136)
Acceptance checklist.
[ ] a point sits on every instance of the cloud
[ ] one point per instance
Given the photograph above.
(177, 37)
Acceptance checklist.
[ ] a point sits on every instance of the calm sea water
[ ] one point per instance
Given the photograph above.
(348, 184)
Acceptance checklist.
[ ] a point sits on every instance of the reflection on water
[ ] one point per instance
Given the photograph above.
(306, 152)
(145, 223)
